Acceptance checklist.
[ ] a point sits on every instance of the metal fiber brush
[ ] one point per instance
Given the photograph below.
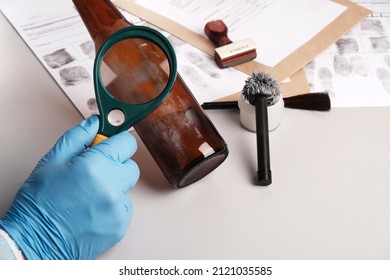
(261, 90)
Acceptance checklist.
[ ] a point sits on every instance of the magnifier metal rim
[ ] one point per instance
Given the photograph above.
(107, 102)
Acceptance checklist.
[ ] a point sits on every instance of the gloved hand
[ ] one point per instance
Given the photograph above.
(76, 203)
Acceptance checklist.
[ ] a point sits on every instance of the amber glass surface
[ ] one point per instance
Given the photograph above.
(180, 137)
(142, 74)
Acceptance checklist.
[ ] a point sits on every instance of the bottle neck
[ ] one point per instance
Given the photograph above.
(101, 17)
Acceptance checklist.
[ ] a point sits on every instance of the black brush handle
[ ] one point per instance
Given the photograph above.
(316, 101)
(220, 105)
(264, 177)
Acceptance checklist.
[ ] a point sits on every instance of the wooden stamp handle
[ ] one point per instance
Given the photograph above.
(216, 31)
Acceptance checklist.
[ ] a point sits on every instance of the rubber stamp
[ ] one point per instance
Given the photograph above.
(228, 53)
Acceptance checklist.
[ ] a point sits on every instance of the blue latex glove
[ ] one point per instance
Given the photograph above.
(76, 203)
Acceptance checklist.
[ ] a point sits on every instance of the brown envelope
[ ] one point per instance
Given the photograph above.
(290, 67)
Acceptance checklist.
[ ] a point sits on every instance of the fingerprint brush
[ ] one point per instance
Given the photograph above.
(261, 90)
(315, 101)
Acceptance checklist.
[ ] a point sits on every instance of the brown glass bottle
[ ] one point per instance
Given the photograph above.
(180, 137)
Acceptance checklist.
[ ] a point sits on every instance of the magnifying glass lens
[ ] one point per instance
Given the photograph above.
(134, 71)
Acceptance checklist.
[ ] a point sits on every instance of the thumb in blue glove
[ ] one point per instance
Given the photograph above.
(76, 202)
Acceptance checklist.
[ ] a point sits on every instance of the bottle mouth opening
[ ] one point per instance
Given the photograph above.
(201, 168)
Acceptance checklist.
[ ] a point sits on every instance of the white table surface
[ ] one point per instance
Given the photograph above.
(330, 197)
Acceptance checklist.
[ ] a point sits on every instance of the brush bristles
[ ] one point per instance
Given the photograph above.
(309, 101)
(261, 84)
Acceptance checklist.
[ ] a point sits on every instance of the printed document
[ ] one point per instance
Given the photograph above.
(278, 27)
(355, 70)
(56, 34)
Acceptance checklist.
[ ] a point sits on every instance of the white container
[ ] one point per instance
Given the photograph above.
(248, 114)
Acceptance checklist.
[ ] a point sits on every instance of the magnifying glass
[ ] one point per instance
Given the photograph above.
(134, 71)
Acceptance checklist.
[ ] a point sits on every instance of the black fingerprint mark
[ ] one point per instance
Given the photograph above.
(58, 58)
(372, 25)
(341, 65)
(194, 76)
(347, 45)
(325, 76)
(204, 66)
(73, 76)
(384, 76)
(359, 66)
(92, 105)
(380, 43)
(88, 48)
